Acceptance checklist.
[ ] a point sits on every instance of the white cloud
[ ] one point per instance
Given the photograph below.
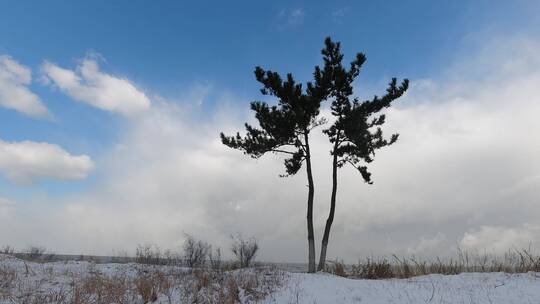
(104, 91)
(338, 14)
(500, 239)
(296, 16)
(23, 161)
(291, 17)
(14, 91)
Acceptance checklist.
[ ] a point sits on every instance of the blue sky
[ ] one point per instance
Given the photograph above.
(182, 51)
(165, 47)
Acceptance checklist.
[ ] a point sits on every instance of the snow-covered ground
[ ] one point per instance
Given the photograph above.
(453, 289)
(59, 282)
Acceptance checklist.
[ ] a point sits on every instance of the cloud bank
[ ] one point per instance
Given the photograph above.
(101, 90)
(23, 161)
(500, 239)
(14, 91)
(464, 172)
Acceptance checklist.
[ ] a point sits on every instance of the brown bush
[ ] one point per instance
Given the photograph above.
(336, 268)
(104, 289)
(150, 286)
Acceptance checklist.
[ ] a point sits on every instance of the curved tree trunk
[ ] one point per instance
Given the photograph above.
(311, 191)
(330, 219)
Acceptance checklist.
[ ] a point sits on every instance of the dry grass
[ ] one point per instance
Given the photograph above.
(98, 288)
(515, 261)
(75, 283)
(8, 279)
(373, 269)
(209, 286)
(44, 283)
(150, 285)
(336, 268)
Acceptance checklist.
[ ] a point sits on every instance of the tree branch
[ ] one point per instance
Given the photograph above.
(282, 151)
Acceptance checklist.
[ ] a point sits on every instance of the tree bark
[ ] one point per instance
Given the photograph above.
(330, 219)
(311, 191)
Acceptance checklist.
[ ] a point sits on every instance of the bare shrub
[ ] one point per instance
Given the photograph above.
(170, 258)
(7, 250)
(245, 250)
(148, 254)
(215, 259)
(35, 253)
(195, 251)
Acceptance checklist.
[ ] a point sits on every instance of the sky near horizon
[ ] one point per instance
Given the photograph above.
(110, 113)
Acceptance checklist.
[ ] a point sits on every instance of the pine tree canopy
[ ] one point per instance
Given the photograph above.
(283, 127)
(352, 134)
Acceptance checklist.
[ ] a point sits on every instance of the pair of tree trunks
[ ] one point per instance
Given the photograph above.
(311, 193)
(330, 219)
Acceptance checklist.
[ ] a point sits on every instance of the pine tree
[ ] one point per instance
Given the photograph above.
(285, 128)
(356, 134)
